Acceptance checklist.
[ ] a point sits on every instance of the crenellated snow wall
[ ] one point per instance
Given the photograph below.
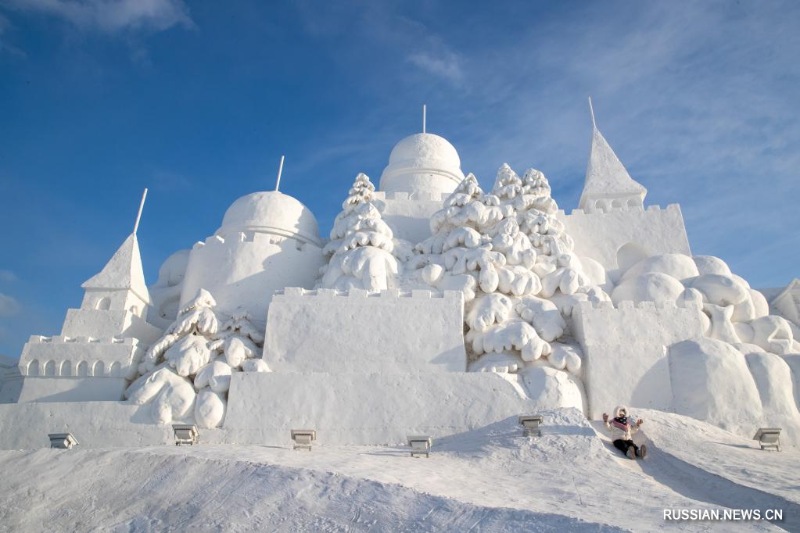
(623, 367)
(626, 234)
(391, 331)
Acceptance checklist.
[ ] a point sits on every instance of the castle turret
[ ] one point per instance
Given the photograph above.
(608, 185)
(120, 286)
(100, 344)
(268, 240)
(422, 163)
(423, 170)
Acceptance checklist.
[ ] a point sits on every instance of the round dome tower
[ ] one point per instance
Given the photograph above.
(267, 241)
(270, 212)
(422, 163)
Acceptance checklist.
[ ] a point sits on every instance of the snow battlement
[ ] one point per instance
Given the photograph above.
(630, 304)
(57, 339)
(671, 208)
(635, 364)
(620, 236)
(417, 196)
(295, 292)
(64, 356)
(281, 239)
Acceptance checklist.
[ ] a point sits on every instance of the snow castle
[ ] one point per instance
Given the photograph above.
(433, 307)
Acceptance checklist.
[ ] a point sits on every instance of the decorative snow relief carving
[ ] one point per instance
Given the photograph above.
(362, 247)
(186, 374)
(511, 257)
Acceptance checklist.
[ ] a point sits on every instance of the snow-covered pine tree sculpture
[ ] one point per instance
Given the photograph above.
(362, 245)
(509, 255)
(187, 372)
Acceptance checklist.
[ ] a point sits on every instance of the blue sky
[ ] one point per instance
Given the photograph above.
(198, 100)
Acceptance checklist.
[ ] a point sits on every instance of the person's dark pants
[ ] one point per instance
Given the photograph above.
(623, 445)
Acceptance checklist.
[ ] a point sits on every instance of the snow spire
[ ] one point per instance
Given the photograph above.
(608, 184)
(123, 272)
(139, 215)
(424, 117)
(280, 171)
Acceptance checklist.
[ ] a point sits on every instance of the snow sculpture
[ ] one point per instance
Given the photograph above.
(741, 371)
(187, 372)
(166, 291)
(512, 259)
(362, 244)
(735, 313)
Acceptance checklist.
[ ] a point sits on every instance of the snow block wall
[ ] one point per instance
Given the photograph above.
(408, 214)
(244, 272)
(360, 408)
(108, 323)
(10, 380)
(623, 368)
(620, 237)
(94, 425)
(391, 331)
(93, 369)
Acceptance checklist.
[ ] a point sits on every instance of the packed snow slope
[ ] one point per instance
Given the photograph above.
(492, 479)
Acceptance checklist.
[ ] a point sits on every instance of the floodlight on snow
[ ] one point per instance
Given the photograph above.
(63, 441)
(303, 438)
(420, 444)
(769, 438)
(531, 424)
(186, 434)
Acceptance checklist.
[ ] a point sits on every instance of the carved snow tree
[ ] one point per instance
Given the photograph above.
(362, 246)
(186, 374)
(510, 256)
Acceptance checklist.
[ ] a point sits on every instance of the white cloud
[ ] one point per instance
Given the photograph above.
(7, 276)
(8, 305)
(445, 65)
(111, 16)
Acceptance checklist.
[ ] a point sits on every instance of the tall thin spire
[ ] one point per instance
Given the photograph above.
(280, 171)
(591, 111)
(139, 215)
(424, 117)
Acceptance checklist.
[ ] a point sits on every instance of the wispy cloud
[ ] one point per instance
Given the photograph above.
(5, 47)
(7, 276)
(388, 29)
(111, 16)
(8, 305)
(445, 65)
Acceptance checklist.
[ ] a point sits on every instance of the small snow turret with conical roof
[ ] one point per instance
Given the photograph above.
(101, 343)
(608, 184)
(120, 285)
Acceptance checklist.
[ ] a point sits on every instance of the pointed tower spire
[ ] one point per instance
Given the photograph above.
(123, 272)
(608, 184)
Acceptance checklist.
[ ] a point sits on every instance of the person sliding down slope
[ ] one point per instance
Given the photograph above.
(622, 428)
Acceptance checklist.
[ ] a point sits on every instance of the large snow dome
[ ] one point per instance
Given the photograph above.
(270, 212)
(422, 163)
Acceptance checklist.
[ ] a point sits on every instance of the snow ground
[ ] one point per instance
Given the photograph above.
(490, 479)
